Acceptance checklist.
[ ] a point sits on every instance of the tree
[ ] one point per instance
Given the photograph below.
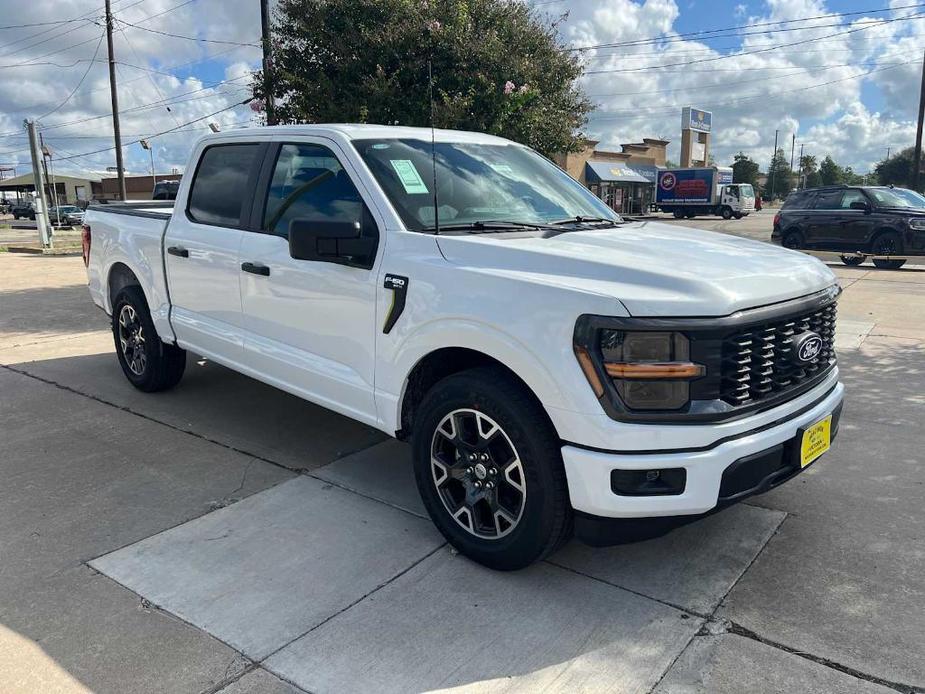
(896, 170)
(744, 170)
(830, 173)
(497, 66)
(779, 180)
(808, 164)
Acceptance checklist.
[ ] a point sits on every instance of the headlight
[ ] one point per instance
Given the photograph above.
(648, 370)
(917, 223)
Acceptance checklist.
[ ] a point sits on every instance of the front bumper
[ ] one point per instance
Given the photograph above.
(589, 471)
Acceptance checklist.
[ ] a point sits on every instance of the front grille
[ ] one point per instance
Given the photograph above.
(757, 362)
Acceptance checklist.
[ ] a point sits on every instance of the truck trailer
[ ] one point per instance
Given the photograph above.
(700, 191)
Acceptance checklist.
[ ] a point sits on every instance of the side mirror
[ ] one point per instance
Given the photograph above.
(860, 205)
(329, 241)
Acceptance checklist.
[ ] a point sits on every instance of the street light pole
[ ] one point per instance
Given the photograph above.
(917, 161)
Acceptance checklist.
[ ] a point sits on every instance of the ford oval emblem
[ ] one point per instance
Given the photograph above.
(806, 347)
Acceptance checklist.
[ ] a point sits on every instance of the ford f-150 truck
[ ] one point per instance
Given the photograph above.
(556, 368)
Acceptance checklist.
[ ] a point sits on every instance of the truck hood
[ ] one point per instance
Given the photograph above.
(653, 269)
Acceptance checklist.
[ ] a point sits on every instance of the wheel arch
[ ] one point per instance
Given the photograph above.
(119, 276)
(440, 363)
(882, 231)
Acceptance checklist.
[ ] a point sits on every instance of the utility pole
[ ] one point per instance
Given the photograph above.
(41, 212)
(887, 152)
(771, 172)
(116, 130)
(802, 174)
(50, 180)
(793, 146)
(267, 61)
(917, 161)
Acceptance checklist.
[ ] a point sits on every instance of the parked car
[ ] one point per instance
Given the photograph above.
(66, 215)
(554, 367)
(23, 210)
(166, 190)
(855, 221)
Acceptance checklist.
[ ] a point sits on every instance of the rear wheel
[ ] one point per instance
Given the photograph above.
(489, 469)
(852, 260)
(147, 362)
(793, 240)
(678, 214)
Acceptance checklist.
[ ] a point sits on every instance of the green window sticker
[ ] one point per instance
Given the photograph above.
(409, 176)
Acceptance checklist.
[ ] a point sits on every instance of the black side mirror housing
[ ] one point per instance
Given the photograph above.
(330, 241)
(860, 205)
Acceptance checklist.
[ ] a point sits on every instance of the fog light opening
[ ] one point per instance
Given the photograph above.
(657, 482)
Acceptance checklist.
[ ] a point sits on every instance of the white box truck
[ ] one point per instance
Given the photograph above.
(699, 191)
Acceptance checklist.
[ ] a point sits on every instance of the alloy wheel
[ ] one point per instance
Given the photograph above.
(478, 474)
(132, 340)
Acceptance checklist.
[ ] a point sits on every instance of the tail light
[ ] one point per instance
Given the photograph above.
(85, 242)
(777, 219)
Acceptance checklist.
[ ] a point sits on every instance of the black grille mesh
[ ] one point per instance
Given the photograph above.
(757, 362)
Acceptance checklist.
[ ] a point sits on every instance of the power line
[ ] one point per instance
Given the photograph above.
(80, 82)
(700, 33)
(188, 38)
(753, 52)
(39, 24)
(163, 132)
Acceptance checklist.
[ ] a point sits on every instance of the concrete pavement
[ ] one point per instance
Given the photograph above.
(227, 536)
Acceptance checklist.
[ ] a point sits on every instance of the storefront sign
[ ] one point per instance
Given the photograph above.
(695, 119)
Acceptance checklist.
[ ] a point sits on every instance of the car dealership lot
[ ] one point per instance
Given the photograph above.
(226, 536)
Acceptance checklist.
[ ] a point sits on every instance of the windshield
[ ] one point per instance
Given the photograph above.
(896, 197)
(746, 190)
(476, 183)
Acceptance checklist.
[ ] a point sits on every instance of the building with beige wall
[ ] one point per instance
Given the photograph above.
(625, 180)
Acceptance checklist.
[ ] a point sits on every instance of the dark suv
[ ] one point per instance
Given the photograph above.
(855, 221)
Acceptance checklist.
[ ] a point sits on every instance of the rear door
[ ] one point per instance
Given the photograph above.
(310, 326)
(822, 221)
(201, 251)
(854, 227)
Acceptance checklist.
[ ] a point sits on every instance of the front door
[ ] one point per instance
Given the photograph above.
(201, 252)
(310, 326)
(854, 227)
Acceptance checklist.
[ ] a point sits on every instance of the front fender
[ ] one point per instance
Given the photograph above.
(396, 365)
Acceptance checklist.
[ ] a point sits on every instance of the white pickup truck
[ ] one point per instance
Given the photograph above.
(556, 368)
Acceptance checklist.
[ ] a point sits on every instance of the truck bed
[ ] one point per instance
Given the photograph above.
(130, 235)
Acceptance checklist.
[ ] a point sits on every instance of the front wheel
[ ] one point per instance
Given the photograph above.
(726, 213)
(148, 363)
(889, 264)
(888, 244)
(488, 465)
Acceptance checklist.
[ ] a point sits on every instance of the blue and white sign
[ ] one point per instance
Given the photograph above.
(695, 119)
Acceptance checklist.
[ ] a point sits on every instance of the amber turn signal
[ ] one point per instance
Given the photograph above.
(584, 360)
(653, 370)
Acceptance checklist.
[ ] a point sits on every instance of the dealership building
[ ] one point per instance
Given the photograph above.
(625, 180)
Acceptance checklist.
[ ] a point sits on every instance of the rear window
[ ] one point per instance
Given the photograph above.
(798, 201)
(220, 185)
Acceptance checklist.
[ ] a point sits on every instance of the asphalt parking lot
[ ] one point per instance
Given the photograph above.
(228, 537)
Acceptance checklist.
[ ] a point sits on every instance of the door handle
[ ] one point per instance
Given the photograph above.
(256, 269)
(178, 251)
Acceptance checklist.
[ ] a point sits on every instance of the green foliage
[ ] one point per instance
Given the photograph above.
(896, 170)
(497, 68)
(830, 172)
(744, 170)
(780, 182)
(813, 179)
(808, 164)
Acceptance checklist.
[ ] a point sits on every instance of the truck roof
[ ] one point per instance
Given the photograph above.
(362, 131)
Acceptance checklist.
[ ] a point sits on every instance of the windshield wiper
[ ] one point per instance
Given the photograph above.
(579, 219)
(487, 226)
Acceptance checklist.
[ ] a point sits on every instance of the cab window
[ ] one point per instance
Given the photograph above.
(220, 185)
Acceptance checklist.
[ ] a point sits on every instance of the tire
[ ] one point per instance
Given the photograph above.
(888, 243)
(148, 363)
(678, 214)
(852, 260)
(726, 213)
(738, 215)
(891, 264)
(792, 240)
(506, 517)
(690, 215)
